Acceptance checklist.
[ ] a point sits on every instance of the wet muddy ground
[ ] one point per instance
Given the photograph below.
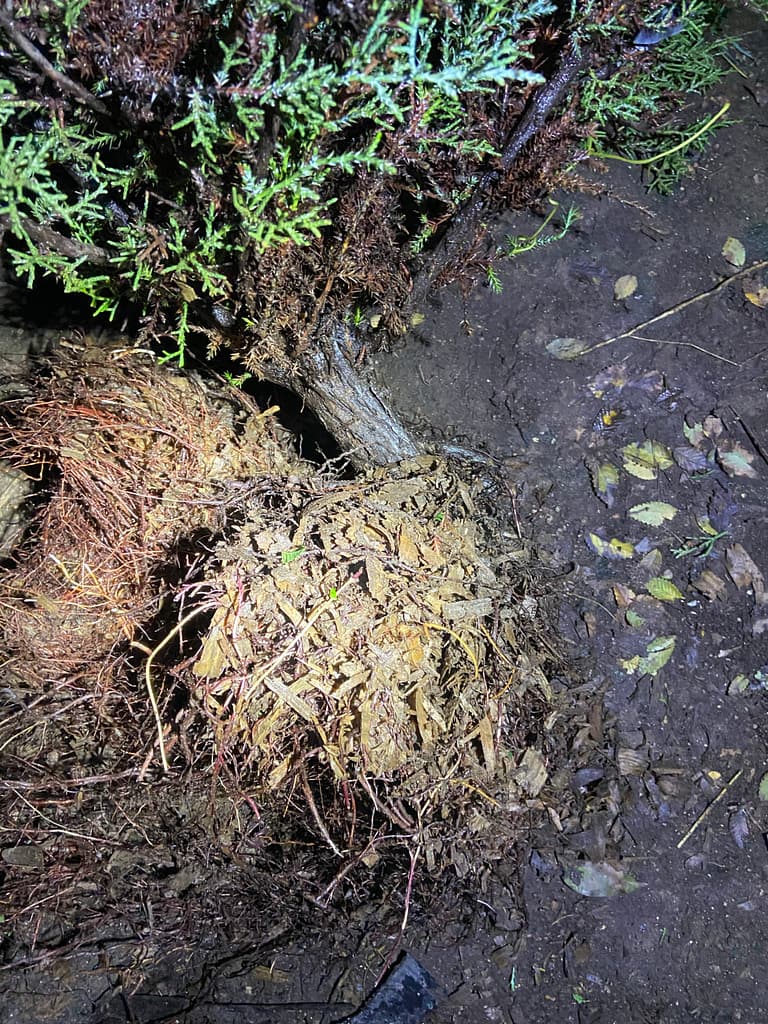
(654, 908)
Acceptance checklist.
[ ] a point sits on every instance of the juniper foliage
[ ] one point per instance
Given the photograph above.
(246, 162)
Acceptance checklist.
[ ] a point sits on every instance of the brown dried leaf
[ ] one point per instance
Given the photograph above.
(744, 573)
(532, 772)
(710, 585)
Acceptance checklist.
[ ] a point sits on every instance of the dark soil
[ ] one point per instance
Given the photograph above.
(687, 944)
(654, 752)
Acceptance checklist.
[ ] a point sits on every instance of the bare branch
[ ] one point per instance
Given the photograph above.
(64, 83)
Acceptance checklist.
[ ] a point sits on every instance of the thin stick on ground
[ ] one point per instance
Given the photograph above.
(707, 810)
(678, 309)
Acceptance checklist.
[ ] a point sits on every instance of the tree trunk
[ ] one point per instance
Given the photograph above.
(342, 397)
(329, 380)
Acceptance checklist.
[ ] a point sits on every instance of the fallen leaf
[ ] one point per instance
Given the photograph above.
(624, 286)
(653, 513)
(599, 878)
(605, 479)
(646, 459)
(532, 772)
(634, 620)
(694, 434)
(650, 563)
(762, 789)
(706, 526)
(757, 295)
(738, 826)
(663, 589)
(659, 651)
(736, 460)
(692, 460)
(710, 585)
(713, 426)
(630, 665)
(734, 252)
(612, 378)
(566, 348)
(613, 549)
(738, 685)
(744, 573)
(623, 595)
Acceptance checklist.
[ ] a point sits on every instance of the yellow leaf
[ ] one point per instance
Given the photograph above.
(653, 513)
(646, 459)
(758, 297)
(663, 589)
(624, 286)
(613, 549)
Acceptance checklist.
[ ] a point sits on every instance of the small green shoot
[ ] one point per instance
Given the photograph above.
(236, 381)
(494, 281)
(702, 546)
(292, 554)
(519, 244)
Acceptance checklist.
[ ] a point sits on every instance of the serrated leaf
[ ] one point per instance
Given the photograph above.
(566, 348)
(613, 549)
(762, 789)
(659, 651)
(635, 621)
(605, 479)
(734, 252)
(653, 513)
(736, 460)
(646, 459)
(624, 286)
(663, 589)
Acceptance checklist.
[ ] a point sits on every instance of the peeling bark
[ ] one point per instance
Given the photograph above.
(342, 397)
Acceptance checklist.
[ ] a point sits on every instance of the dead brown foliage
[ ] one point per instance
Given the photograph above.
(136, 458)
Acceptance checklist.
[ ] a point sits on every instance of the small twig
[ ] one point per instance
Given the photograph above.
(148, 675)
(65, 84)
(48, 239)
(316, 814)
(708, 809)
(686, 344)
(677, 309)
(397, 944)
